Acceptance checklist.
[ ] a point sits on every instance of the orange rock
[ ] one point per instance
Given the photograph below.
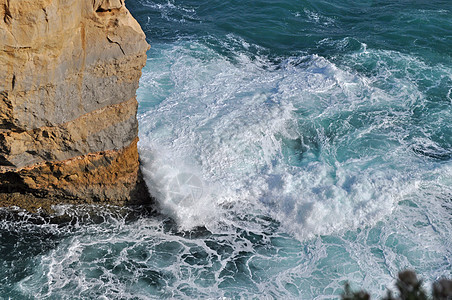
(69, 70)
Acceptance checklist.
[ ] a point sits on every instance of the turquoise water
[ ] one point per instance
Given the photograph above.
(291, 146)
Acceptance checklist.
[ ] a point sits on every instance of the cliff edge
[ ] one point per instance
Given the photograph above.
(69, 70)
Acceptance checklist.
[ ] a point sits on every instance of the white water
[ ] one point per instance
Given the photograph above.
(228, 122)
(310, 175)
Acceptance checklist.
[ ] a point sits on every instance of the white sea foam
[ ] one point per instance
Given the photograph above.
(318, 18)
(230, 122)
(171, 12)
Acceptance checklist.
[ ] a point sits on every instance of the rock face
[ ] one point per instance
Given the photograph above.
(69, 70)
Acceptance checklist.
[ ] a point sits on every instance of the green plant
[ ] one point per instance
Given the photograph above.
(409, 288)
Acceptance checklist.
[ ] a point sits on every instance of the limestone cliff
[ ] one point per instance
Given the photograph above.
(69, 70)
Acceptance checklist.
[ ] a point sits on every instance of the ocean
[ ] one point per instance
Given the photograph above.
(291, 145)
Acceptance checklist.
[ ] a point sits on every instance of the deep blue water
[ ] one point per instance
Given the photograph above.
(292, 146)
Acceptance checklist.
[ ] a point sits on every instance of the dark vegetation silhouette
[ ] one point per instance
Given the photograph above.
(409, 288)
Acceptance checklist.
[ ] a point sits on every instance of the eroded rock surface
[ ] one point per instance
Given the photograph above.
(69, 70)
